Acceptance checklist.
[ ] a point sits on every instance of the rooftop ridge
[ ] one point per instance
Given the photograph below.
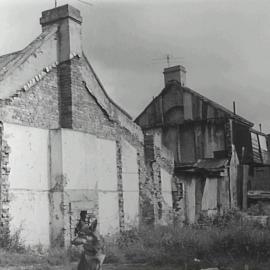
(26, 52)
(215, 104)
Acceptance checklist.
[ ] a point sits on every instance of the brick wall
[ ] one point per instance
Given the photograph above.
(61, 99)
(4, 187)
(120, 185)
(156, 157)
(37, 107)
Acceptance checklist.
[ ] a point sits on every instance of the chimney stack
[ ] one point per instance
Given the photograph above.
(175, 73)
(68, 19)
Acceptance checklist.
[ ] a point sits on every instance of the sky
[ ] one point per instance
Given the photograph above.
(224, 45)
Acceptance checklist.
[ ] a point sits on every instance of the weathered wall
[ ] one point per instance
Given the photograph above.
(223, 192)
(210, 196)
(37, 107)
(80, 176)
(28, 179)
(166, 194)
(108, 187)
(190, 200)
(30, 62)
(260, 179)
(190, 106)
(89, 181)
(160, 163)
(130, 178)
(166, 186)
(193, 141)
(65, 176)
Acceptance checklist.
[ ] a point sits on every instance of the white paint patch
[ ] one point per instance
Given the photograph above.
(29, 157)
(79, 160)
(29, 182)
(106, 155)
(108, 212)
(130, 179)
(209, 199)
(30, 211)
(166, 187)
(107, 186)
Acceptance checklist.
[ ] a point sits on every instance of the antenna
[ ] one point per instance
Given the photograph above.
(169, 58)
(81, 1)
(84, 2)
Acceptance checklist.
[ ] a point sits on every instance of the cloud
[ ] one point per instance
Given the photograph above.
(224, 45)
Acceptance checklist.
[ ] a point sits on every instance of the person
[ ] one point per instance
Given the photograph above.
(92, 256)
(82, 224)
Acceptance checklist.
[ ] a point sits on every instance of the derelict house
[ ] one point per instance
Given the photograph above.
(66, 147)
(217, 154)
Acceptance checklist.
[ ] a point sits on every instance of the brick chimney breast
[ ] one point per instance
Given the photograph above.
(69, 22)
(175, 73)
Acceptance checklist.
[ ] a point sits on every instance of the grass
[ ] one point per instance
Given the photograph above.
(226, 242)
(213, 242)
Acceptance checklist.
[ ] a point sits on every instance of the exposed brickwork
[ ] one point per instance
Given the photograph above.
(156, 158)
(120, 186)
(88, 116)
(65, 94)
(37, 107)
(4, 188)
(61, 99)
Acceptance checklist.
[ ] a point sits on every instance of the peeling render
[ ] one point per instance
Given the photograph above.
(69, 147)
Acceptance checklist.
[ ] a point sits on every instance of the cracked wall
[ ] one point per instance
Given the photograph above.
(158, 207)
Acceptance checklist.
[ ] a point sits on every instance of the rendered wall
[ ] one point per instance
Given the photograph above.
(107, 187)
(130, 180)
(166, 187)
(89, 169)
(29, 174)
(210, 197)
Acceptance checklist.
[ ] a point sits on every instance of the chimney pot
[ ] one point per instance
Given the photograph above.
(175, 73)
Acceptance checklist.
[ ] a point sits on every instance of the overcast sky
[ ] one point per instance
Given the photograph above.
(224, 45)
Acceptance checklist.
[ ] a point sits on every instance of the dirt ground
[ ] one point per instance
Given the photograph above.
(105, 267)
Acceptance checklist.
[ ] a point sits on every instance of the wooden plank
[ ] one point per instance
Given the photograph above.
(210, 112)
(245, 183)
(199, 142)
(188, 106)
(233, 177)
(187, 145)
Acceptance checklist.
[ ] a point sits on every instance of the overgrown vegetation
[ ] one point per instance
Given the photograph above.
(220, 241)
(217, 241)
(13, 252)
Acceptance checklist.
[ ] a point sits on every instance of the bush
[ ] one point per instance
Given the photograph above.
(219, 240)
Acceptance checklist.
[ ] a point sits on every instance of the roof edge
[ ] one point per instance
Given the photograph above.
(215, 104)
(103, 89)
